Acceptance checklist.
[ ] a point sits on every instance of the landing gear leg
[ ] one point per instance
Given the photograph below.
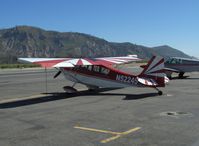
(169, 76)
(159, 91)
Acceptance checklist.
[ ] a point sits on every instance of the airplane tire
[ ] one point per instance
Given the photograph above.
(160, 92)
(181, 75)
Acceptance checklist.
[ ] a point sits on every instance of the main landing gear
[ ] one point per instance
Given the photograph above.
(159, 91)
(70, 89)
(181, 75)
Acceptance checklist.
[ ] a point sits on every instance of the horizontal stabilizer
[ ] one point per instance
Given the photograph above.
(147, 82)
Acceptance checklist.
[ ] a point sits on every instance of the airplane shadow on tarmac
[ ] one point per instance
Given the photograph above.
(63, 95)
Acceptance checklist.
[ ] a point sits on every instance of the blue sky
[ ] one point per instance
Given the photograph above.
(143, 22)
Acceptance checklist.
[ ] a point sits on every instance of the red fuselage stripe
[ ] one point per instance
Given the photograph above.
(112, 75)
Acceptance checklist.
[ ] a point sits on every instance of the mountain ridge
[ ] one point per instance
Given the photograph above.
(27, 41)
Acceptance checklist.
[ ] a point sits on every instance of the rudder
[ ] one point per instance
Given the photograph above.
(155, 70)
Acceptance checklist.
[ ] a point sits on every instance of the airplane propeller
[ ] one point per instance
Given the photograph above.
(57, 74)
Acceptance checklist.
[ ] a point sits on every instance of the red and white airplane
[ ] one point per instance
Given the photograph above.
(100, 73)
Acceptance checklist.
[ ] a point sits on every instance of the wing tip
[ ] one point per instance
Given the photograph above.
(24, 60)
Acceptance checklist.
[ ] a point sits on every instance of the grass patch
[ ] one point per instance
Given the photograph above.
(5, 66)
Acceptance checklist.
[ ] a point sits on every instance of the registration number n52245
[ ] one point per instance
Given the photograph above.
(126, 79)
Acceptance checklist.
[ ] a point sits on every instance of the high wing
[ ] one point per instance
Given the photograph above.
(71, 62)
(118, 60)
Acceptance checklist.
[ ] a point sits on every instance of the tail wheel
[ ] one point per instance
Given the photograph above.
(160, 92)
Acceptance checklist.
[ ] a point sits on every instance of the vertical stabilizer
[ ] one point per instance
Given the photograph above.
(155, 70)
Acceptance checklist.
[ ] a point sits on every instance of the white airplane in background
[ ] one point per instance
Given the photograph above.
(181, 65)
(99, 72)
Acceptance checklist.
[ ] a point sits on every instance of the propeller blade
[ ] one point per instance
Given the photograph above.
(57, 74)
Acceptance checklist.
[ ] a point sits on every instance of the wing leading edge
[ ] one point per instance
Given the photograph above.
(71, 62)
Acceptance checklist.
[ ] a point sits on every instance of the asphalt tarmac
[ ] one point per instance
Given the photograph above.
(122, 117)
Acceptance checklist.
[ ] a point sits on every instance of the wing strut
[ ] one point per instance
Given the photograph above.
(57, 74)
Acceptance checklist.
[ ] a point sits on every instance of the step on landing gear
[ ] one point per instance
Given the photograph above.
(69, 89)
(93, 88)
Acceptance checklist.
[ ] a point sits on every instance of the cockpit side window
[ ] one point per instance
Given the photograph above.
(104, 70)
(89, 67)
(174, 61)
(92, 68)
(96, 68)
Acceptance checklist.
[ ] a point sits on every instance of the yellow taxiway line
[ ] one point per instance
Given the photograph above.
(120, 135)
(96, 130)
(110, 139)
(116, 134)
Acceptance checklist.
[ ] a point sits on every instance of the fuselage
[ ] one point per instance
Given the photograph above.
(182, 64)
(100, 76)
